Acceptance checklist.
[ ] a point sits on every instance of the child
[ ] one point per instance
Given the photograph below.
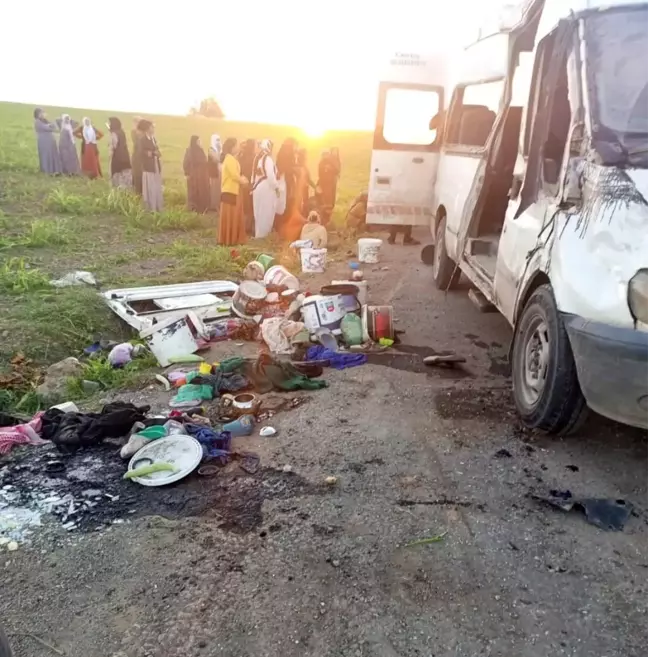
(314, 231)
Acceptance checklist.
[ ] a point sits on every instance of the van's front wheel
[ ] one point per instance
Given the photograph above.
(545, 383)
(445, 272)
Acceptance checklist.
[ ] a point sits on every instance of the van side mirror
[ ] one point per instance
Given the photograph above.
(435, 122)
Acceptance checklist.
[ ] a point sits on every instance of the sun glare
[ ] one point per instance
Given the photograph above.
(313, 130)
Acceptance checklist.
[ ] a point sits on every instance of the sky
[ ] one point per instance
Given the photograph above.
(311, 64)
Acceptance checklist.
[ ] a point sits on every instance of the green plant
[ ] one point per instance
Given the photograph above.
(16, 276)
(48, 233)
(61, 201)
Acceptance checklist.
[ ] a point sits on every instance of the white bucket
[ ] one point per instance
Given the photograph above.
(313, 261)
(323, 312)
(369, 250)
(280, 276)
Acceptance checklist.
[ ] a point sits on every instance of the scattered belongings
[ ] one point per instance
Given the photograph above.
(165, 461)
(266, 432)
(369, 250)
(75, 278)
(444, 360)
(142, 307)
(604, 513)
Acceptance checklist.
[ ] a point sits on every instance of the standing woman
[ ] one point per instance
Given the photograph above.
(328, 174)
(136, 160)
(151, 167)
(231, 225)
(195, 170)
(265, 190)
(89, 137)
(246, 159)
(120, 162)
(214, 171)
(286, 164)
(67, 148)
(48, 153)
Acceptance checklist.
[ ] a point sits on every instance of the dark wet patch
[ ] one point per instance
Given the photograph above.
(95, 475)
(409, 358)
(473, 404)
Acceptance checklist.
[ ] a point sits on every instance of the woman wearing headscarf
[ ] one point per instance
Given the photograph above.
(67, 148)
(286, 163)
(89, 137)
(246, 160)
(48, 153)
(328, 174)
(120, 163)
(231, 226)
(136, 160)
(195, 170)
(265, 190)
(151, 167)
(293, 221)
(214, 172)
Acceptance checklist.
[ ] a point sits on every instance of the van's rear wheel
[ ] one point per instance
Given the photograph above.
(545, 383)
(444, 270)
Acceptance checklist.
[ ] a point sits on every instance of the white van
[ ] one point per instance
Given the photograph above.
(541, 200)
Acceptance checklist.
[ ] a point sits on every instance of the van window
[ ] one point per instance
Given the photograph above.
(473, 113)
(407, 116)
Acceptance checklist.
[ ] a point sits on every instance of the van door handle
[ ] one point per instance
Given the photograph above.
(418, 160)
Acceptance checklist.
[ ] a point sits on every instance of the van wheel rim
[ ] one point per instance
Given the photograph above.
(535, 361)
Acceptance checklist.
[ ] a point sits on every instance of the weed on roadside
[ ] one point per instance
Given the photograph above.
(42, 232)
(17, 277)
(109, 378)
(61, 201)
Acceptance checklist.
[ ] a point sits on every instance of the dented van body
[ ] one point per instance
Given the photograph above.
(541, 200)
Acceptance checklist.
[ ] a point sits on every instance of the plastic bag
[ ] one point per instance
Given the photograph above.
(351, 329)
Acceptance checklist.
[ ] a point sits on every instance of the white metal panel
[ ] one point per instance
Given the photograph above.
(485, 60)
(416, 68)
(454, 180)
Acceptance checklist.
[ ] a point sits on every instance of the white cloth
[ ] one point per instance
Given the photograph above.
(216, 145)
(89, 133)
(66, 124)
(264, 196)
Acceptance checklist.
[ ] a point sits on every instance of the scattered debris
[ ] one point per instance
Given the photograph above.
(266, 432)
(75, 278)
(427, 541)
(446, 360)
(502, 454)
(287, 468)
(604, 513)
(573, 468)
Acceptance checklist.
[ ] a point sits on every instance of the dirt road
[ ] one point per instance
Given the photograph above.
(280, 564)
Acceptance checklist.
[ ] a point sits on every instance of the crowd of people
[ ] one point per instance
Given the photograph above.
(252, 191)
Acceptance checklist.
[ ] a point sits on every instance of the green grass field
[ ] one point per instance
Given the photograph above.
(50, 226)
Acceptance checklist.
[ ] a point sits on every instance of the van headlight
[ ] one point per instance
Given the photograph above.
(638, 296)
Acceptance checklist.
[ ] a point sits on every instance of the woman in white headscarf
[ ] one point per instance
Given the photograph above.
(214, 170)
(89, 136)
(264, 190)
(67, 148)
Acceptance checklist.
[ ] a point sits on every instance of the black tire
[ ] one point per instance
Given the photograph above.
(542, 354)
(444, 270)
(5, 650)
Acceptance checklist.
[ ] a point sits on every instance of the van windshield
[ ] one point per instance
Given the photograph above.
(617, 43)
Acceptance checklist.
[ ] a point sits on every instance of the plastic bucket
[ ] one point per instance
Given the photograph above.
(266, 261)
(249, 299)
(281, 277)
(369, 250)
(377, 322)
(323, 312)
(313, 261)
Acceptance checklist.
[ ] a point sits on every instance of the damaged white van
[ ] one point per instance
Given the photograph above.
(541, 200)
